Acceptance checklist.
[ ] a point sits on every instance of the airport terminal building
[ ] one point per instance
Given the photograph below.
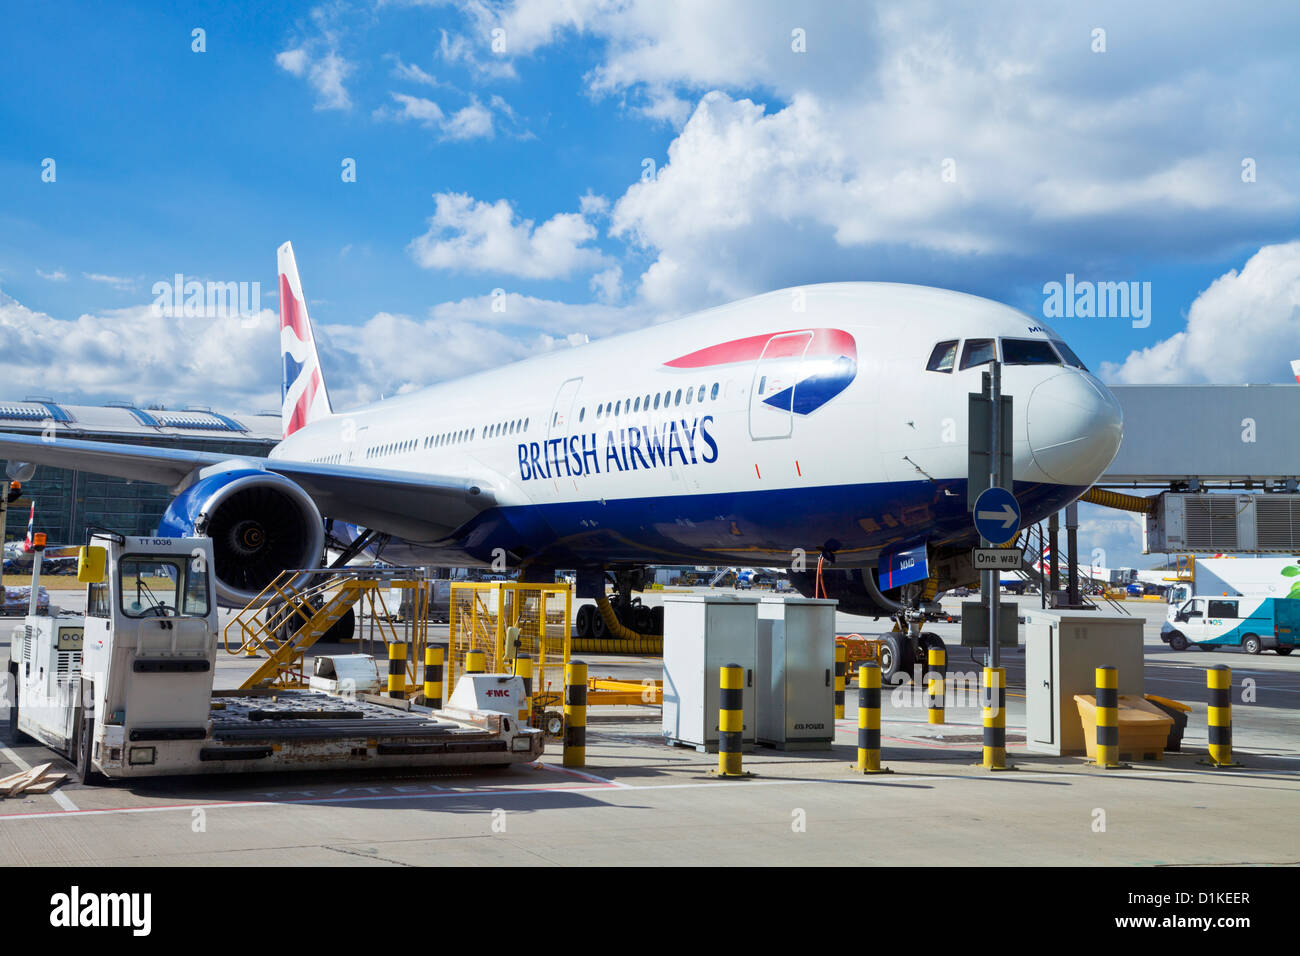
(68, 502)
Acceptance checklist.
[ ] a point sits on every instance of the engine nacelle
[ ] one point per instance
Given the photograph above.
(260, 524)
(845, 586)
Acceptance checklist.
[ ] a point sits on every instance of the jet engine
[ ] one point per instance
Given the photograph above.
(260, 524)
(845, 586)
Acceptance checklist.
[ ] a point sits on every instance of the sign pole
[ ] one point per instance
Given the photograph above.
(995, 481)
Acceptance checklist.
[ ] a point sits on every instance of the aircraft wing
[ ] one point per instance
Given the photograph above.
(417, 507)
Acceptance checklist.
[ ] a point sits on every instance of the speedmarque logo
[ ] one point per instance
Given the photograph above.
(75, 909)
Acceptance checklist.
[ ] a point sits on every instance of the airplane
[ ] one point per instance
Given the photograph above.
(824, 421)
(21, 553)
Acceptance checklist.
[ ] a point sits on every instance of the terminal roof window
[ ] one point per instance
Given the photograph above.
(1028, 352)
(943, 358)
(977, 352)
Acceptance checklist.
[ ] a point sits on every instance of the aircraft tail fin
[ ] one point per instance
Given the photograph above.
(305, 399)
(29, 541)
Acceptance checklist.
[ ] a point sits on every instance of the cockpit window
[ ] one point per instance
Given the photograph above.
(1028, 352)
(1069, 356)
(977, 352)
(943, 358)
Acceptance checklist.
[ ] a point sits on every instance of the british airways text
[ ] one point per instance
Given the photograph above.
(677, 442)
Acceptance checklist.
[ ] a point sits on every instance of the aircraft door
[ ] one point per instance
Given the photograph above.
(771, 394)
(560, 422)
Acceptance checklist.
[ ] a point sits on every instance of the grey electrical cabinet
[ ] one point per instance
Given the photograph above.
(796, 673)
(1063, 650)
(703, 632)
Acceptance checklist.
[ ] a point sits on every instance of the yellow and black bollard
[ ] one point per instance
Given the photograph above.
(869, 719)
(433, 677)
(841, 665)
(995, 718)
(938, 661)
(575, 714)
(524, 671)
(1219, 715)
(475, 662)
(731, 721)
(1107, 717)
(397, 670)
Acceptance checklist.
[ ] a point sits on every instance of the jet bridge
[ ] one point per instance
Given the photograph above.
(1191, 439)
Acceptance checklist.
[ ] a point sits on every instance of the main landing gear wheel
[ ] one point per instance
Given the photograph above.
(343, 629)
(925, 643)
(1177, 641)
(583, 623)
(599, 629)
(896, 658)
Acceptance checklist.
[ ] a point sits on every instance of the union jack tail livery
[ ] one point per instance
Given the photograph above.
(304, 395)
(31, 524)
(1295, 369)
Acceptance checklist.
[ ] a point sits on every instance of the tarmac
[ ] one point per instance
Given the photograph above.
(640, 801)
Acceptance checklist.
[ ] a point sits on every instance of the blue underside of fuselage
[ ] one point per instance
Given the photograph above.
(854, 522)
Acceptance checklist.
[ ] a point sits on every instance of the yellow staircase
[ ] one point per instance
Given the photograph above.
(306, 623)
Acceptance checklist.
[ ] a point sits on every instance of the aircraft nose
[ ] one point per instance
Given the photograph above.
(1075, 427)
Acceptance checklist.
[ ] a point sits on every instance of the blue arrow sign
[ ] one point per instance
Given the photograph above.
(997, 515)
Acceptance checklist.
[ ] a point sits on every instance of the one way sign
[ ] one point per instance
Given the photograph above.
(997, 515)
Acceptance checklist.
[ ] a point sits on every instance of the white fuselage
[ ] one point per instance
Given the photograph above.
(558, 435)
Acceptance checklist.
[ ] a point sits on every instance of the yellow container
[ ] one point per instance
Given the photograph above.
(1143, 727)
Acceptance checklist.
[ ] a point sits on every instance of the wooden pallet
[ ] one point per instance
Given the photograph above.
(36, 780)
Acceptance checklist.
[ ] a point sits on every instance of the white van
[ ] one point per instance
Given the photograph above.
(1251, 623)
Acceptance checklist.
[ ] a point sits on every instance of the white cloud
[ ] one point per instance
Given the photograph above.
(117, 282)
(294, 61)
(1244, 328)
(233, 365)
(467, 235)
(58, 275)
(107, 355)
(317, 60)
(793, 167)
(471, 122)
(413, 108)
(412, 73)
(325, 74)
(608, 285)
(456, 339)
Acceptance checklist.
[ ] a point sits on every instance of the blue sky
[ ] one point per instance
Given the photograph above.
(788, 146)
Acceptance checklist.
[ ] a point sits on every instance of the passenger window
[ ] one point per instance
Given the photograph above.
(1028, 352)
(1223, 609)
(713, 395)
(656, 400)
(977, 352)
(943, 358)
(690, 393)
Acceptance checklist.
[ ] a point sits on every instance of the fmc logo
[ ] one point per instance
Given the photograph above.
(822, 362)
